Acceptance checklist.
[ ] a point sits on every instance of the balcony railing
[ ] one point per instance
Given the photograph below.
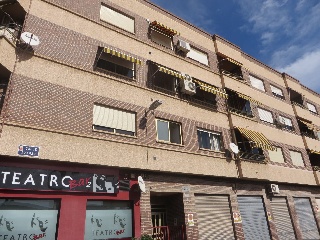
(169, 233)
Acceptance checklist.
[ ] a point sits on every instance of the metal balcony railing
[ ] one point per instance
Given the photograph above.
(169, 233)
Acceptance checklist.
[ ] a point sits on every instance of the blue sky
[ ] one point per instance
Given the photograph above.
(284, 34)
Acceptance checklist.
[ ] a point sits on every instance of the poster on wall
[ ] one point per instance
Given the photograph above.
(28, 224)
(37, 179)
(237, 217)
(190, 219)
(108, 224)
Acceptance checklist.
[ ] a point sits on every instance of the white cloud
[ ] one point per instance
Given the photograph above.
(306, 70)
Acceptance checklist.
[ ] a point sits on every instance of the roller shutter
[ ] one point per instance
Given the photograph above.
(254, 220)
(282, 218)
(214, 217)
(306, 218)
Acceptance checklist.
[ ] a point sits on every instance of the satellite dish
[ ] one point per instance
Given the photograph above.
(30, 39)
(234, 148)
(142, 185)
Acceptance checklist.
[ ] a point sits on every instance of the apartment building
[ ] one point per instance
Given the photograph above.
(119, 119)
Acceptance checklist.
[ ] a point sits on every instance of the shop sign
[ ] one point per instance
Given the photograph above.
(28, 224)
(35, 179)
(30, 151)
(108, 224)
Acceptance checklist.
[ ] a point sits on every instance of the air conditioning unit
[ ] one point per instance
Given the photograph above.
(274, 188)
(187, 86)
(183, 46)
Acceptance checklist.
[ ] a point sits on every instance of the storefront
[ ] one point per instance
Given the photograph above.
(66, 201)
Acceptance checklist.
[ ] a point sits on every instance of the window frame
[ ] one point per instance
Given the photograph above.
(169, 133)
(284, 125)
(255, 85)
(158, 33)
(294, 151)
(310, 107)
(221, 148)
(267, 111)
(274, 93)
(199, 53)
(278, 148)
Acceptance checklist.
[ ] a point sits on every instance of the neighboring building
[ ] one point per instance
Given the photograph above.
(118, 91)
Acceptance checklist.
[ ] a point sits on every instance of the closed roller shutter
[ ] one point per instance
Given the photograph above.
(214, 217)
(282, 218)
(306, 218)
(253, 216)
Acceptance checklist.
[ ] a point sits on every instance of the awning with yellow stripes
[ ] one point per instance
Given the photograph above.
(122, 55)
(163, 28)
(209, 88)
(314, 151)
(258, 139)
(234, 61)
(248, 98)
(310, 125)
(170, 72)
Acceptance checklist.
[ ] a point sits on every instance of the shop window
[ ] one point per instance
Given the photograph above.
(108, 220)
(276, 155)
(265, 116)
(230, 67)
(112, 62)
(198, 55)
(257, 83)
(238, 104)
(168, 131)
(306, 129)
(277, 92)
(247, 149)
(296, 98)
(312, 108)
(22, 218)
(209, 140)
(296, 158)
(113, 120)
(116, 18)
(284, 123)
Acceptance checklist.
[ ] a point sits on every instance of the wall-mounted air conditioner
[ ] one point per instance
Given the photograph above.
(183, 46)
(187, 86)
(274, 188)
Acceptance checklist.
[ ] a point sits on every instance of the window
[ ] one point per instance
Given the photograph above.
(168, 131)
(34, 217)
(161, 39)
(238, 104)
(198, 55)
(296, 158)
(209, 140)
(286, 122)
(257, 83)
(230, 67)
(296, 98)
(112, 62)
(312, 108)
(276, 155)
(307, 128)
(163, 79)
(277, 92)
(108, 219)
(114, 120)
(115, 18)
(265, 115)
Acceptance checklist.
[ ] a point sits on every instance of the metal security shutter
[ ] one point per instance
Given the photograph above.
(282, 218)
(214, 217)
(253, 216)
(306, 218)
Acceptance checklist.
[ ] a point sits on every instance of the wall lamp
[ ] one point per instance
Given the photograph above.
(155, 104)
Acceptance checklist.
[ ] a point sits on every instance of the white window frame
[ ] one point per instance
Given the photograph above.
(276, 91)
(161, 39)
(286, 121)
(113, 120)
(265, 115)
(198, 56)
(312, 108)
(277, 155)
(257, 83)
(117, 19)
(170, 140)
(213, 145)
(296, 158)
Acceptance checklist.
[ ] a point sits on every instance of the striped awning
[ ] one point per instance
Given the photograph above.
(234, 61)
(122, 55)
(310, 125)
(248, 98)
(314, 151)
(258, 139)
(166, 30)
(209, 88)
(170, 72)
